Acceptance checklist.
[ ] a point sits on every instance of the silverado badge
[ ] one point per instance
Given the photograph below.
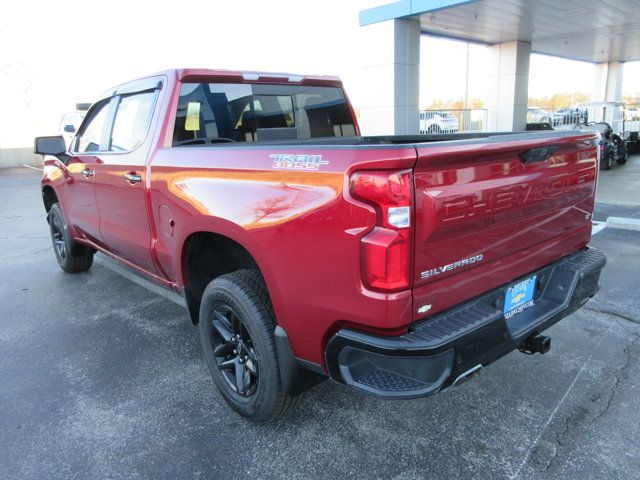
(451, 266)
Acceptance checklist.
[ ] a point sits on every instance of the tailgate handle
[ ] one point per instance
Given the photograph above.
(538, 154)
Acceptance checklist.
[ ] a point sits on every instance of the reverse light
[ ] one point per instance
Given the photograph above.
(399, 217)
(386, 249)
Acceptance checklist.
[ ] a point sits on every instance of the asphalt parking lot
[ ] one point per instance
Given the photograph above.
(100, 378)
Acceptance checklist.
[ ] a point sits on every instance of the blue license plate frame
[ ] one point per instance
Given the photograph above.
(519, 296)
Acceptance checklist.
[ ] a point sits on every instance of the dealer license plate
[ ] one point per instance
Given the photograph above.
(519, 297)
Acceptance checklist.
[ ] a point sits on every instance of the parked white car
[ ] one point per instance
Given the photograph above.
(432, 121)
(538, 115)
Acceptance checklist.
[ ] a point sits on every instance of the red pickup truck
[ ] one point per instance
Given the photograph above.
(398, 265)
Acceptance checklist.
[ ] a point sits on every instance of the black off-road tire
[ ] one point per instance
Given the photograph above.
(71, 256)
(238, 305)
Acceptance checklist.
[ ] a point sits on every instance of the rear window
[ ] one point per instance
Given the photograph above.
(231, 112)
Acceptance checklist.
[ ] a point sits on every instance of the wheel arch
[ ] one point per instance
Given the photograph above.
(206, 255)
(49, 197)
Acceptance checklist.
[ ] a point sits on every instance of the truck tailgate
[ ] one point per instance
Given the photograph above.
(489, 211)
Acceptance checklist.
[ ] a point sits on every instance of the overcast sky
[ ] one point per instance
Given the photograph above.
(53, 54)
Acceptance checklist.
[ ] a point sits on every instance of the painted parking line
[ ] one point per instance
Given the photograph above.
(624, 223)
(32, 168)
(597, 227)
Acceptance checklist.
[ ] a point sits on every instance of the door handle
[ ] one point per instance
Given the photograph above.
(87, 172)
(133, 177)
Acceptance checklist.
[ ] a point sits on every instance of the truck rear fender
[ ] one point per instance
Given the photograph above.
(210, 252)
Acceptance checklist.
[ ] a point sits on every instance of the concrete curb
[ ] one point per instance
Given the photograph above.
(624, 223)
(16, 157)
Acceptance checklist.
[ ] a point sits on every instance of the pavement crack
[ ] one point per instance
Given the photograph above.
(534, 446)
(613, 314)
(571, 422)
(584, 415)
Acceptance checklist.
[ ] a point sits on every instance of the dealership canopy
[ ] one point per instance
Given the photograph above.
(605, 32)
(590, 30)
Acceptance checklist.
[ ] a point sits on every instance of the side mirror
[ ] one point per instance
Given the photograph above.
(54, 146)
(69, 129)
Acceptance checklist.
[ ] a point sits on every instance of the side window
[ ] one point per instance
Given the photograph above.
(132, 121)
(89, 140)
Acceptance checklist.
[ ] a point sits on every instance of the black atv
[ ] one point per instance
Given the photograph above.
(613, 148)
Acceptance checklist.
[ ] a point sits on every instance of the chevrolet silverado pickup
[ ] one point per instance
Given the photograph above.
(397, 265)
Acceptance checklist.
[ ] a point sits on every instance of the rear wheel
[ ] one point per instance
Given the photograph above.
(237, 335)
(71, 256)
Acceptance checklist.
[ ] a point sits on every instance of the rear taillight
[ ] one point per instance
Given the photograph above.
(386, 249)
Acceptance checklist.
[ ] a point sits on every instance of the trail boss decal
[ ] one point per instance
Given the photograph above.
(289, 161)
(451, 266)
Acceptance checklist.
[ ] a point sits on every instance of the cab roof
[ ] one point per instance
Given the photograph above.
(210, 75)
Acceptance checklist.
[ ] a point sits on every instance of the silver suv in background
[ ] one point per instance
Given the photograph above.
(569, 116)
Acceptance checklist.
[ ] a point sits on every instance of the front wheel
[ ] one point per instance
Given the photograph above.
(607, 162)
(71, 256)
(237, 335)
(624, 158)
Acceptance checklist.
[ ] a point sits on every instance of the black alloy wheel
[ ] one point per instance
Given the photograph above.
(233, 351)
(57, 236)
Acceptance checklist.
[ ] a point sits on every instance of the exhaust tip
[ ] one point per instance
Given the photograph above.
(535, 344)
